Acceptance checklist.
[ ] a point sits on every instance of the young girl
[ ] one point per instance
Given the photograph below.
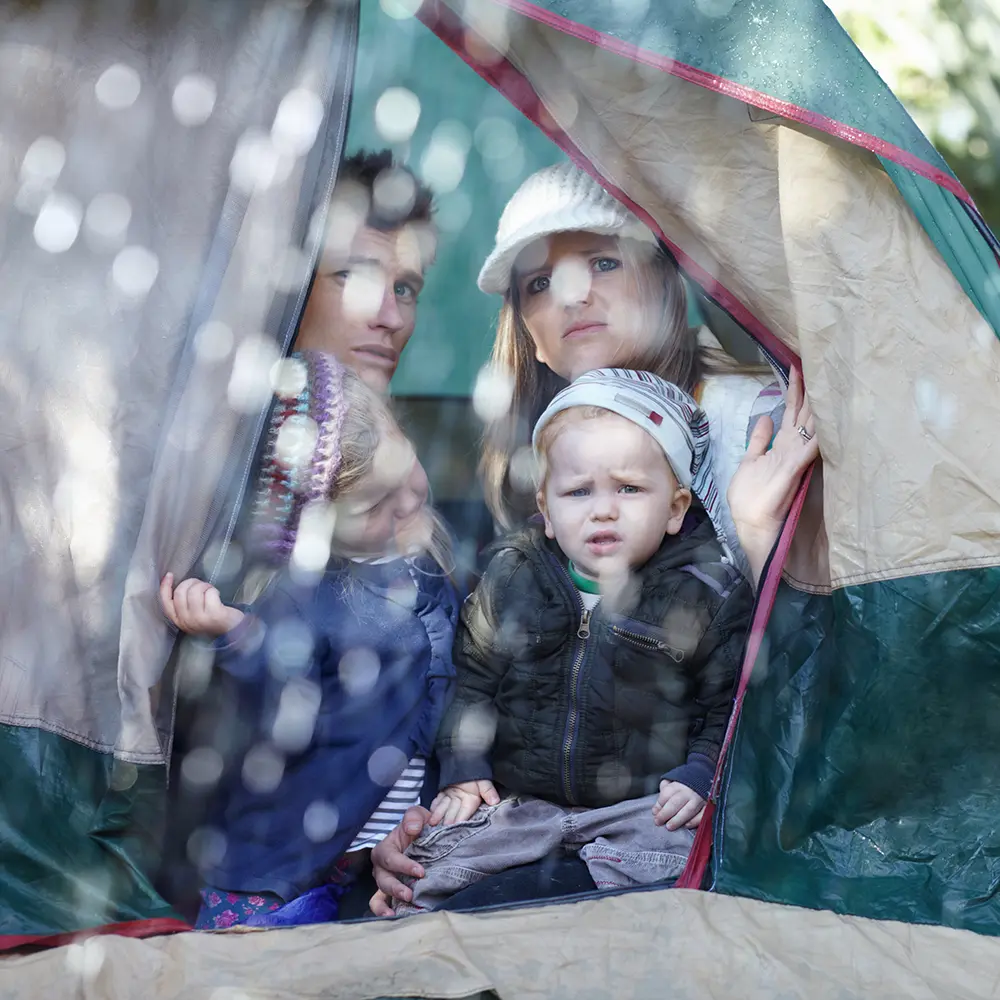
(338, 676)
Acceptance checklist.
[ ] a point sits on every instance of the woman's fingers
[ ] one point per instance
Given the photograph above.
(760, 438)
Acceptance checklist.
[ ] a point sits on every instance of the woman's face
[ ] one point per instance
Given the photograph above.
(585, 304)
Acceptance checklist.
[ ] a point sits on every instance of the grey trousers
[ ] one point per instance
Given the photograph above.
(620, 844)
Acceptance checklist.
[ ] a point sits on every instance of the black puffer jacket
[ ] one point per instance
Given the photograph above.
(592, 709)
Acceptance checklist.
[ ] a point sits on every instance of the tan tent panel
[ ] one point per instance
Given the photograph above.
(682, 945)
(719, 179)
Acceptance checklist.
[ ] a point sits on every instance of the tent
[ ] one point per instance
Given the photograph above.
(167, 173)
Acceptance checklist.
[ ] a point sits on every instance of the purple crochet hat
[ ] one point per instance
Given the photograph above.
(302, 451)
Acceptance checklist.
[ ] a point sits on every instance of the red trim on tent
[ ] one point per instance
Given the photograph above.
(742, 93)
(697, 862)
(131, 928)
(510, 82)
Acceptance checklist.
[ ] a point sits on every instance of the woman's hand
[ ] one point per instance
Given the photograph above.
(389, 860)
(761, 492)
(457, 803)
(196, 607)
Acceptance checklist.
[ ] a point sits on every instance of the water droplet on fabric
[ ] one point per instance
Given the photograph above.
(118, 87)
(193, 99)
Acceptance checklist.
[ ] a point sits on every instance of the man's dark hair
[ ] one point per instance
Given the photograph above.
(366, 169)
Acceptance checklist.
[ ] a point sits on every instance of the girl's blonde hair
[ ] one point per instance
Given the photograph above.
(674, 354)
(367, 418)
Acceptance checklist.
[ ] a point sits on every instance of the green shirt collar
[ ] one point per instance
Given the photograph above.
(582, 583)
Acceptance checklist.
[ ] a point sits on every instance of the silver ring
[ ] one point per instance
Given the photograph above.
(803, 433)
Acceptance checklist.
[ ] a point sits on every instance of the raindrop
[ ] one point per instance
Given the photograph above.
(507, 169)
(213, 342)
(495, 138)
(288, 377)
(194, 99)
(118, 87)
(443, 164)
(358, 671)
(123, 775)
(86, 958)
(715, 8)
(250, 383)
(394, 193)
(397, 112)
(296, 441)
(524, 470)
(400, 10)
(476, 729)
(493, 393)
(194, 667)
(202, 768)
(320, 821)
(206, 847)
(44, 160)
(453, 211)
(570, 282)
(295, 720)
(385, 765)
(107, 219)
(290, 646)
(58, 223)
(263, 769)
(134, 271)
(255, 163)
(363, 293)
(297, 122)
(312, 542)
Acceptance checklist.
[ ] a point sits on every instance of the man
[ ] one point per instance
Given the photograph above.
(380, 239)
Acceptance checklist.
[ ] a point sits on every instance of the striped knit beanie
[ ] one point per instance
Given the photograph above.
(302, 450)
(672, 417)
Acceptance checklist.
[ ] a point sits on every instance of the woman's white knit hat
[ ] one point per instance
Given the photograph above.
(555, 200)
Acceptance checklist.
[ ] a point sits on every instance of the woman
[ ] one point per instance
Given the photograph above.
(586, 285)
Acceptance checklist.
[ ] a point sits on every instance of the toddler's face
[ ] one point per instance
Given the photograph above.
(386, 512)
(610, 495)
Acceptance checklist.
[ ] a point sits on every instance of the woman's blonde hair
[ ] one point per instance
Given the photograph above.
(674, 354)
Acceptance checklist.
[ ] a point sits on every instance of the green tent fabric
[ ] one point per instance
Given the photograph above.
(861, 774)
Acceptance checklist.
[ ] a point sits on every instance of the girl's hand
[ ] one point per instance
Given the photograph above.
(677, 806)
(196, 608)
(761, 492)
(457, 803)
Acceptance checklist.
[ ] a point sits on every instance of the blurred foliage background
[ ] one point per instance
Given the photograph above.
(942, 60)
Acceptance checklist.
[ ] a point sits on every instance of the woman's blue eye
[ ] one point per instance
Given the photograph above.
(404, 291)
(539, 284)
(606, 264)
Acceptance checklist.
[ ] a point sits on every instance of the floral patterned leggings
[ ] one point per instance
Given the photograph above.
(224, 909)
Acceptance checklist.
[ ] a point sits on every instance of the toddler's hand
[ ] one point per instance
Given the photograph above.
(196, 608)
(457, 803)
(677, 806)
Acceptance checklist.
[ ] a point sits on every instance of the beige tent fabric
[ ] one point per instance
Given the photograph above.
(813, 237)
(114, 435)
(683, 945)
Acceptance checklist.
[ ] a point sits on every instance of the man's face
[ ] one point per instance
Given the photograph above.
(363, 303)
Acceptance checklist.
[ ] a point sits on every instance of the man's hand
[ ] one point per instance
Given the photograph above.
(457, 803)
(389, 860)
(677, 806)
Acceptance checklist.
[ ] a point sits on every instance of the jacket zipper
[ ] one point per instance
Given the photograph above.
(647, 642)
(579, 655)
(579, 658)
